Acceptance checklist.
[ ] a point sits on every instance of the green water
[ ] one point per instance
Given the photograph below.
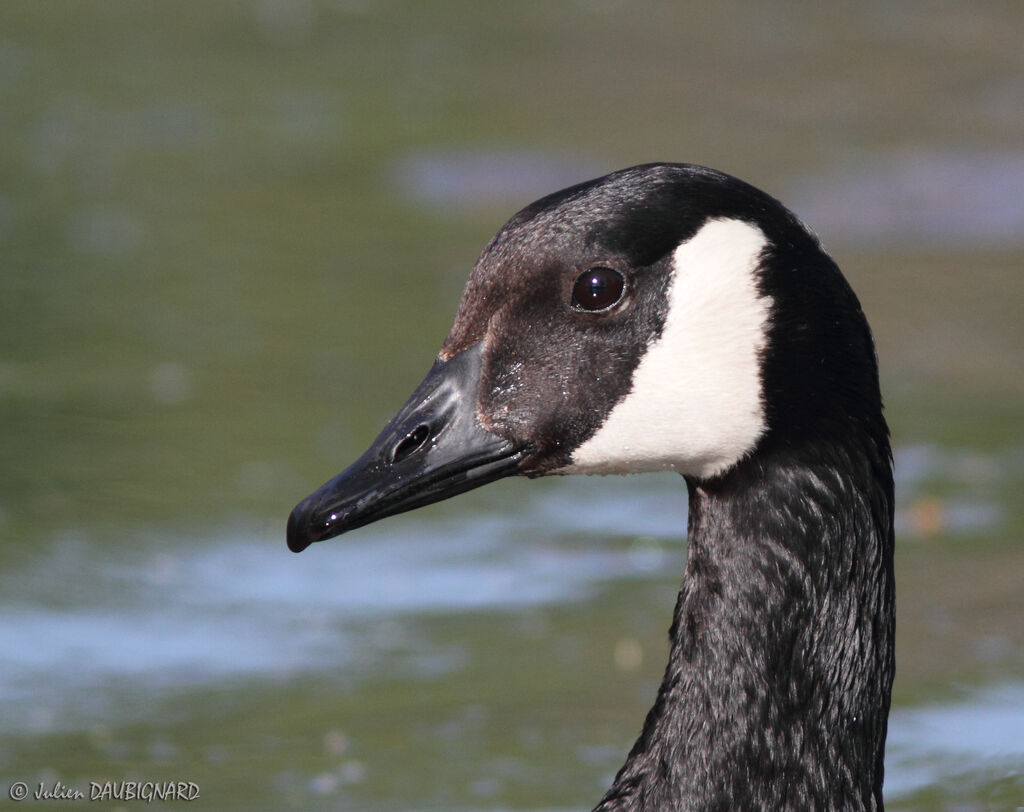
(233, 236)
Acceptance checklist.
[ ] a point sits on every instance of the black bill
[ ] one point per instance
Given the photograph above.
(433, 448)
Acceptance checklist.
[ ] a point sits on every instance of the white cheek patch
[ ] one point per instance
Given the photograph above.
(695, 405)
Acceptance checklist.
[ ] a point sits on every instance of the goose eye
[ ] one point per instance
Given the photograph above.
(597, 289)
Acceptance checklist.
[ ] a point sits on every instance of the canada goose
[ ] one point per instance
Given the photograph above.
(671, 317)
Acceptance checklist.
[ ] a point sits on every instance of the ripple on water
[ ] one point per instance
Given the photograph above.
(496, 176)
(174, 614)
(920, 198)
(925, 476)
(936, 743)
(181, 613)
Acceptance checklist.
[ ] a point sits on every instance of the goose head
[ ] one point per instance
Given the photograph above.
(664, 317)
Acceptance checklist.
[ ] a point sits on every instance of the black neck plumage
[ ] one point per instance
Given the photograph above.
(776, 695)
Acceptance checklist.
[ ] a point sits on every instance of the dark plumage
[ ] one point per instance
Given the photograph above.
(776, 693)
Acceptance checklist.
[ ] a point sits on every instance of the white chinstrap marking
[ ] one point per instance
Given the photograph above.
(695, 405)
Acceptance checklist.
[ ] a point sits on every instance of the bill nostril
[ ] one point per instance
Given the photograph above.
(411, 443)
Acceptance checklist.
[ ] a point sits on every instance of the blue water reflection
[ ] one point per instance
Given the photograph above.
(170, 614)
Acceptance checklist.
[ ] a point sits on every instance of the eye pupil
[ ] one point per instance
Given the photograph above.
(597, 289)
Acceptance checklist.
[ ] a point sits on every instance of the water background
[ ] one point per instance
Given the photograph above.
(232, 238)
